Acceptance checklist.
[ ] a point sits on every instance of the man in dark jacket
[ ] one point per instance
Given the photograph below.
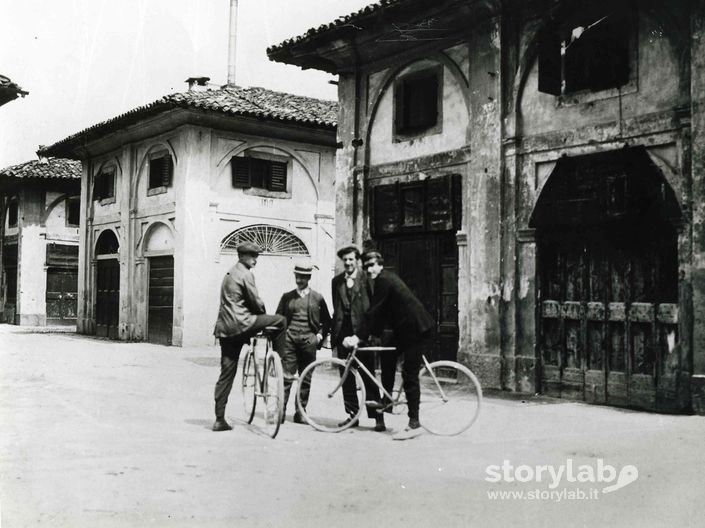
(350, 303)
(308, 322)
(392, 302)
(240, 316)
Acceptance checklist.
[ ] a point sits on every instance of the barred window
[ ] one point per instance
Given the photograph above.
(271, 239)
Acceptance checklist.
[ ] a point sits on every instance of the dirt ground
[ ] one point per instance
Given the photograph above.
(99, 433)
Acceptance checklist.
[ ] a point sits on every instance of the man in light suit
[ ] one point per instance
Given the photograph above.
(307, 325)
(350, 303)
(241, 315)
(393, 303)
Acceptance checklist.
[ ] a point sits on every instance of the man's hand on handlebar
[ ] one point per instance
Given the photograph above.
(351, 341)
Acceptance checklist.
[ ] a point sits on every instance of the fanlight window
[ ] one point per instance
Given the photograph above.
(273, 240)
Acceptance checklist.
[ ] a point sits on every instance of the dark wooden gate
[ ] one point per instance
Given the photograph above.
(608, 288)
(107, 299)
(62, 283)
(161, 300)
(61, 296)
(415, 225)
(428, 264)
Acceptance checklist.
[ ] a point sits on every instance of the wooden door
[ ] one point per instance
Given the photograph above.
(61, 296)
(609, 316)
(428, 264)
(161, 300)
(107, 301)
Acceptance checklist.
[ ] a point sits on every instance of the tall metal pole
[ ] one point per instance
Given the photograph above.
(232, 41)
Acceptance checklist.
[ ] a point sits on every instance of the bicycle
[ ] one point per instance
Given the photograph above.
(451, 395)
(263, 377)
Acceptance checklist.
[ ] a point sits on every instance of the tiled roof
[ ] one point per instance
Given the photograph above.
(44, 168)
(231, 100)
(339, 23)
(9, 90)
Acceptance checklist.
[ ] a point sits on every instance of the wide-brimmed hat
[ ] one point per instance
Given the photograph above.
(248, 248)
(303, 269)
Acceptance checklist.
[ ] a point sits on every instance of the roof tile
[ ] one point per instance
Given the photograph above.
(44, 168)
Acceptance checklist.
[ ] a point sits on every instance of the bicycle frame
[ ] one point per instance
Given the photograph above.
(259, 373)
(393, 402)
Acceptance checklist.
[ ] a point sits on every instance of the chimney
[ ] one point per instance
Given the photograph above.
(232, 41)
(193, 82)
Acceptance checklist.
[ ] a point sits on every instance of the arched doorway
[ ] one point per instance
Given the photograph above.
(107, 297)
(159, 251)
(608, 282)
(274, 270)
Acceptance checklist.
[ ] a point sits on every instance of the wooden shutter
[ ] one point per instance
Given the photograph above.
(277, 176)
(240, 172)
(167, 170)
(549, 63)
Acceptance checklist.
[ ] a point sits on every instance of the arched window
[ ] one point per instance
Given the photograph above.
(107, 243)
(273, 240)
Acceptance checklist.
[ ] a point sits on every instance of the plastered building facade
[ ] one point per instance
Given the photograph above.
(534, 170)
(171, 189)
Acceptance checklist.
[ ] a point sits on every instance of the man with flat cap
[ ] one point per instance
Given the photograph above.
(350, 304)
(308, 322)
(241, 315)
(393, 303)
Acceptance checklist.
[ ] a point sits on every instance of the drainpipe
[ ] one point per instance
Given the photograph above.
(357, 143)
(232, 41)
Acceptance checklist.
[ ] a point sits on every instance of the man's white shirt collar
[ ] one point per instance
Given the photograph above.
(303, 293)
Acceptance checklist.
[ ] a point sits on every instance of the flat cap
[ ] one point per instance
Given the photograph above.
(349, 249)
(248, 248)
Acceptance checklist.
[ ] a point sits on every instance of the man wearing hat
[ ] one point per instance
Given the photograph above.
(241, 315)
(308, 322)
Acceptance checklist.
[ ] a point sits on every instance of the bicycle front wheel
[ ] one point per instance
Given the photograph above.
(273, 394)
(328, 408)
(451, 397)
(249, 384)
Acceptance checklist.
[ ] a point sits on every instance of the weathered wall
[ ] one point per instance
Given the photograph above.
(200, 209)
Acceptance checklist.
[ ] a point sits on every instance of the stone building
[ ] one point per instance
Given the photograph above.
(170, 189)
(39, 217)
(535, 170)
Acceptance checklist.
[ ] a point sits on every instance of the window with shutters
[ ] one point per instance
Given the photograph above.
(104, 185)
(249, 172)
(73, 211)
(12, 213)
(161, 172)
(418, 104)
(593, 51)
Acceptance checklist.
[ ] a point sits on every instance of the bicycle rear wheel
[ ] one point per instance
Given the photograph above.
(273, 394)
(451, 397)
(249, 384)
(326, 408)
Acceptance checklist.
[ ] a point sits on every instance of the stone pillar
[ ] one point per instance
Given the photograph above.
(195, 296)
(85, 323)
(31, 259)
(345, 177)
(482, 207)
(697, 55)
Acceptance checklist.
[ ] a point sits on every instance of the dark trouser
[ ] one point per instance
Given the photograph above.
(298, 353)
(230, 348)
(349, 388)
(412, 351)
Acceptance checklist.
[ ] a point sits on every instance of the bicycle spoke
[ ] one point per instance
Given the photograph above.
(327, 407)
(450, 398)
(249, 381)
(273, 395)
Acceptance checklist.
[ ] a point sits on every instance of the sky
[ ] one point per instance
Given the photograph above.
(85, 61)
